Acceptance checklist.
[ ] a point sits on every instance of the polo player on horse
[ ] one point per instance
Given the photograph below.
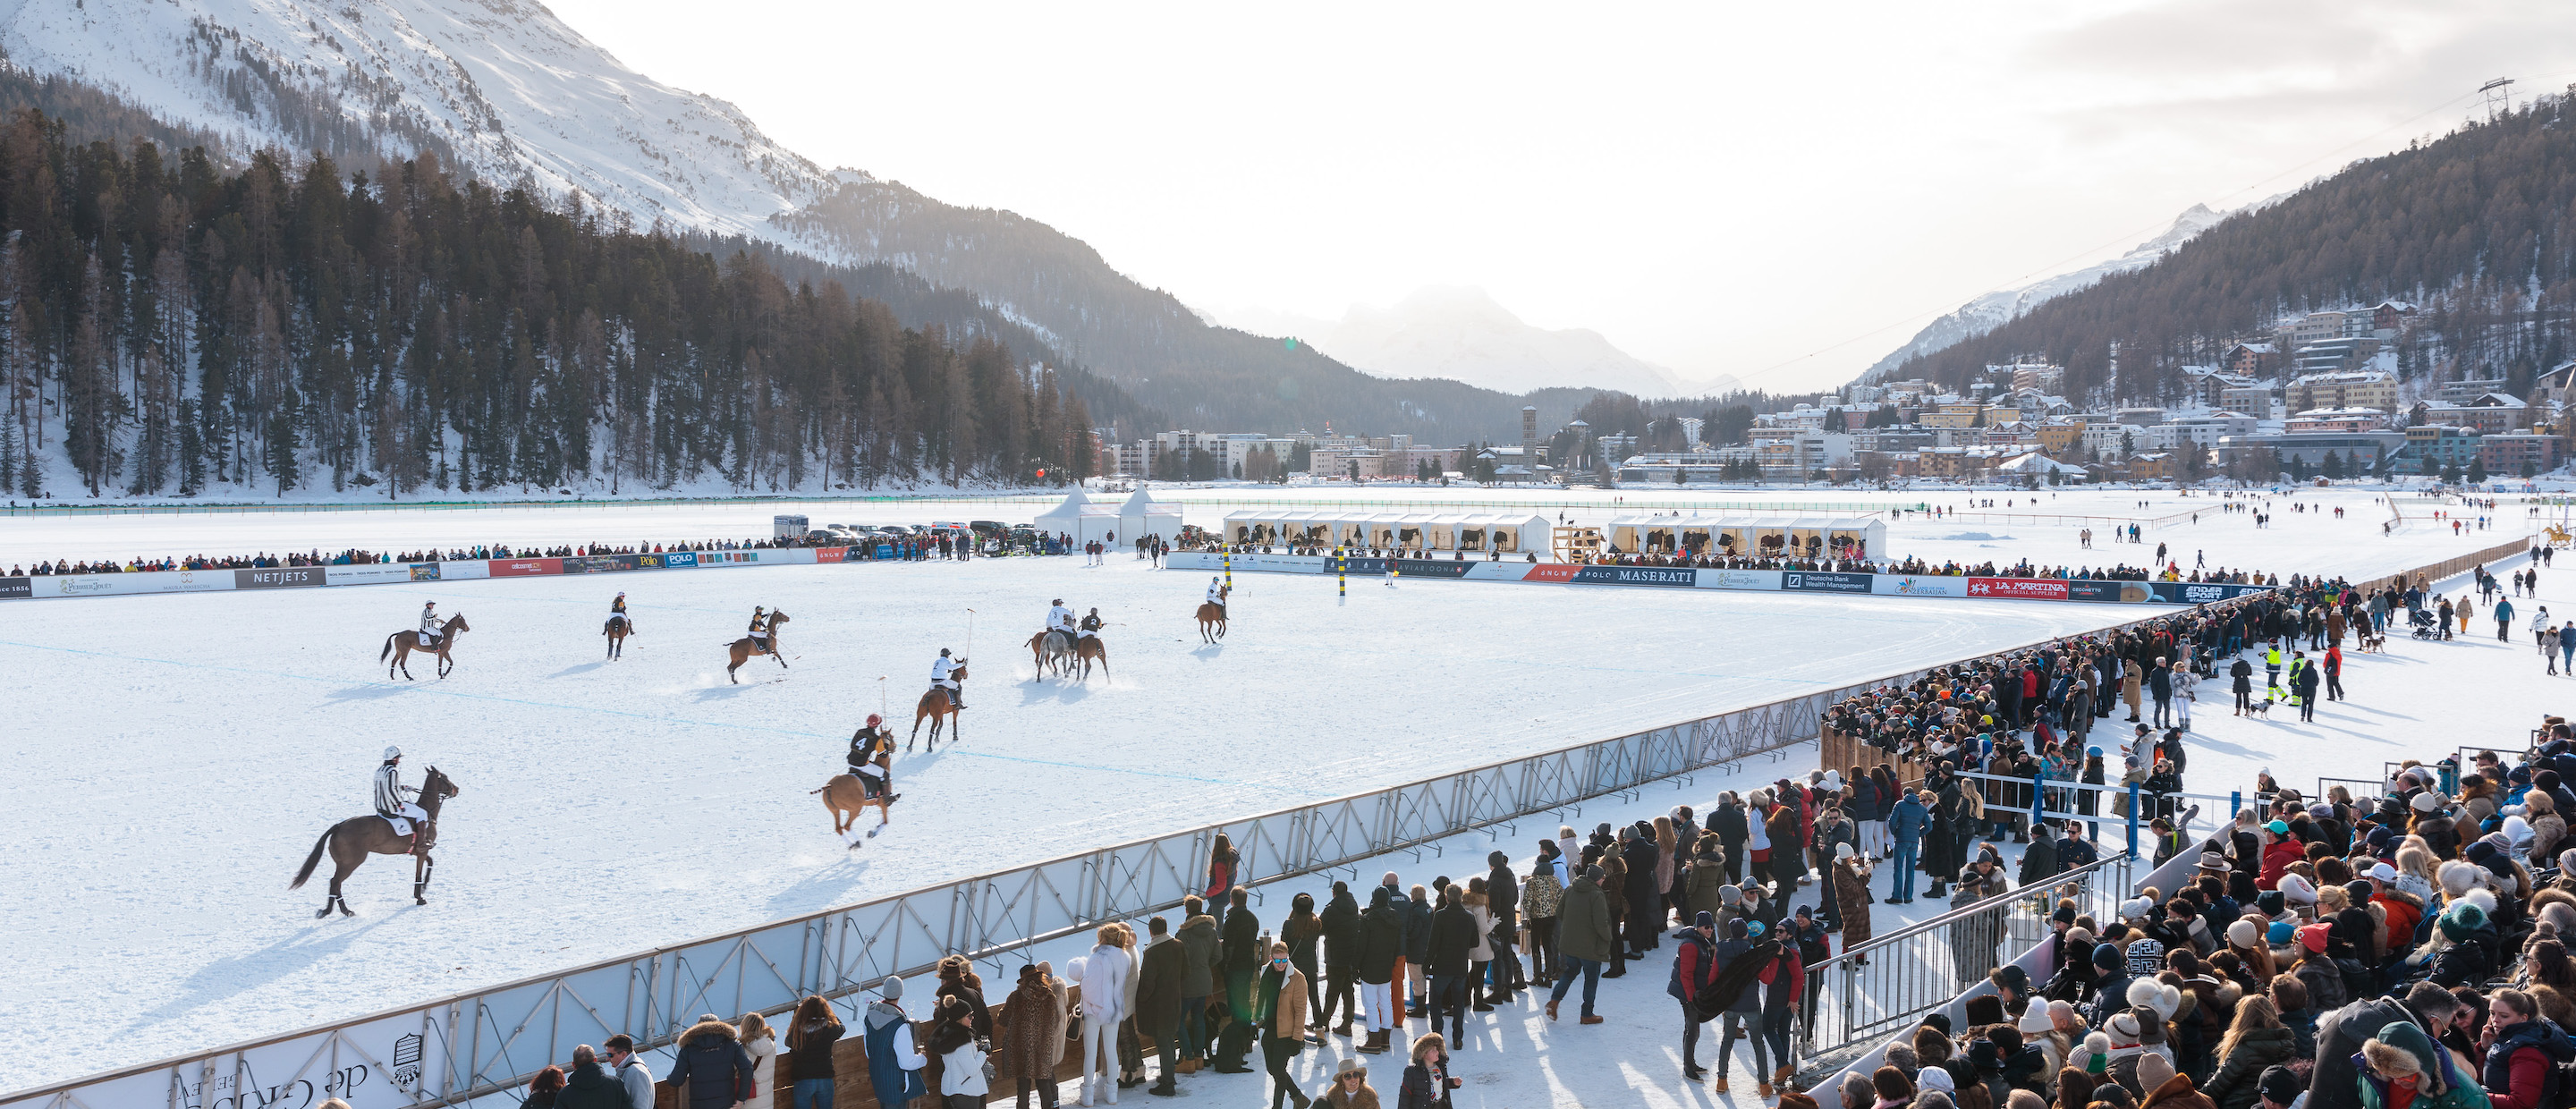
(760, 631)
(429, 629)
(390, 793)
(866, 745)
(940, 669)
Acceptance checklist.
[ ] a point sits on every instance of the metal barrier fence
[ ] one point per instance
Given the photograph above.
(1883, 985)
(485, 1042)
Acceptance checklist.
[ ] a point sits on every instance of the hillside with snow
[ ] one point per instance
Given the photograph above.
(1995, 309)
(507, 93)
(498, 89)
(1463, 334)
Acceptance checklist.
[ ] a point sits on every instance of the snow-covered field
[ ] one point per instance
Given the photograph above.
(2042, 526)
(174, 756)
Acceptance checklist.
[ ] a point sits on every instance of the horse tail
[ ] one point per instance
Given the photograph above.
(389, 648)
(312, 860)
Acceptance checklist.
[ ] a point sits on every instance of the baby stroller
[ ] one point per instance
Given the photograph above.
(2423, 624)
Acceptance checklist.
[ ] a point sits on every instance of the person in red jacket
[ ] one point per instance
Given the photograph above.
(1782, 982)
(2280, 849)
(1695, 968)
(2523, 1053)
(2404, 909)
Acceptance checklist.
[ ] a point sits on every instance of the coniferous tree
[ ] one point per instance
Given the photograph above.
(166, 326)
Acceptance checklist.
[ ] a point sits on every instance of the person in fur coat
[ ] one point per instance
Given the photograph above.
(1851, 893)
(712, 1070)
(1031, 1036)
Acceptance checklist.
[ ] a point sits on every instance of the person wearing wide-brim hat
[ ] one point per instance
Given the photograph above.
(1349, 1088)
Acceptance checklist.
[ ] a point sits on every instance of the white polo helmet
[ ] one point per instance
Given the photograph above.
(392, 753)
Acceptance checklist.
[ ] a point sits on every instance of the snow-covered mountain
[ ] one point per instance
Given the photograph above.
(1997, 308)
(500, 89)
(1462, 334)
(505, 92)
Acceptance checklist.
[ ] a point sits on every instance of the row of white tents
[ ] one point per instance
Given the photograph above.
(1748, 536)
(1087, 520)
(1761, 537)
(1509, 533)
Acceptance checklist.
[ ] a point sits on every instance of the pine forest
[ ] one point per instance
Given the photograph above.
(169, 327)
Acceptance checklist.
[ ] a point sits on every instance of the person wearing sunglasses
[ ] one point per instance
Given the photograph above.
(1350, 1088)
(1279, 1011)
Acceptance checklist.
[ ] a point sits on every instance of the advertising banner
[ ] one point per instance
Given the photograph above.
(464, 569)
(830, 555)
(373, 573)
(391, 1063)
(2199, 593)
(1823, 581)
(717, 560)
(1431, 568)
(1682, 576)
(1551, 572)
(679, 560)
(601, 564)
(2018, 589)
(280, 577)
(885, 550)
(12, 589)
(1765, 580)
(1918, 585)
(425, 571)
(1276, 564)
(2127, 592)
(116, 585)
(525, 567)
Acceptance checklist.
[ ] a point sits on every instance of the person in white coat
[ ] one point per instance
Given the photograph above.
(1216, 593)
(1060, 619)
(1103, 980)
(762, 1045)
(941, 671)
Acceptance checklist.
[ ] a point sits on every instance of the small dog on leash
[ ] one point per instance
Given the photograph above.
(2262, 708)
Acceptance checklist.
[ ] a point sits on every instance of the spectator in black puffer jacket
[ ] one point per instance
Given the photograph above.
(1417, 949)
(712, 1071)
(1504, 975)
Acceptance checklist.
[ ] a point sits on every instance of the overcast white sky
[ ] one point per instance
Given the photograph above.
(1782, 190)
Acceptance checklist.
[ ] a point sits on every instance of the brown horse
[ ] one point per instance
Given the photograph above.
(1212, 615)
(400, 645)
(1048, 651)
(619, 627)
(352, 840)
(935, 707)
(1087, 650)
(743, 649)
(846, 797)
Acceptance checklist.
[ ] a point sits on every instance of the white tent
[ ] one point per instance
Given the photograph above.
(1080, 517)
(1142, 515)
(1517, 534)
(1247, 525)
